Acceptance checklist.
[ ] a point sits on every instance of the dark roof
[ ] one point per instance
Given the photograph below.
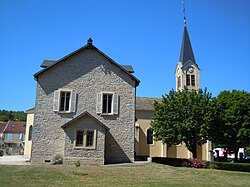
(88, 46)
(186, 48)
(129, 68)
(47, 63)
(82, 115)
(146, 103)
(13, 126)
(30, 111)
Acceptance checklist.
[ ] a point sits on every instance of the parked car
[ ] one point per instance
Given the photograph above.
(230, 154)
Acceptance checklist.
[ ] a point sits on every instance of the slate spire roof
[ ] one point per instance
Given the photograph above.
(186, 47)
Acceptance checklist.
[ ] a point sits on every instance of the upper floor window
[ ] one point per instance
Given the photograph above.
(64, 100)
(9, 137)
(150, 136)
(107, 103)
(21, 136)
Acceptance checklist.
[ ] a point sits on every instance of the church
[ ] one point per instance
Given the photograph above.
(87, 110)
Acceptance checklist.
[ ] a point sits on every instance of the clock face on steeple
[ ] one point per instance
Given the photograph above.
(191, 70)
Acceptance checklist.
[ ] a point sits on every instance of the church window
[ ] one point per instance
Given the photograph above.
(188, 80)
(178, 82)
(193, 80)
(30, 133)
(150, 136)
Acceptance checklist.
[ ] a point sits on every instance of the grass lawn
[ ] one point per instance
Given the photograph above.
(147, 175)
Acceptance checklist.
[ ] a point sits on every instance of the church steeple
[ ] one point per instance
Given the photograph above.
(186, 47)
(187, 70)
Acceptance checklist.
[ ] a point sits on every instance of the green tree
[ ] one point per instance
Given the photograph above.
(186, 116)
(13, 115)
(233, 129)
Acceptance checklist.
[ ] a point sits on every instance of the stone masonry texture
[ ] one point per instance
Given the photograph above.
(88, 73)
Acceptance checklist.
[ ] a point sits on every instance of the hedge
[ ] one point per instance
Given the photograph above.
(180, 162)
(231, 166)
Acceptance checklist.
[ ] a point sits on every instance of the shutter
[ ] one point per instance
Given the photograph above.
(73, 101)
(99, 103)
(116, 104)
(56, 101)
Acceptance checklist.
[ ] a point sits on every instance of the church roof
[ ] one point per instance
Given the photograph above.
(186, 48)
(146, 103)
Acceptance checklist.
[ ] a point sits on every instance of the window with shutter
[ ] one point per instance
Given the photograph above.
(64, 101)
(107, 103)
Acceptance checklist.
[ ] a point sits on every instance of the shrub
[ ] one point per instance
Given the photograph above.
(196, 163)
(177, 162)
(232, 166)
(77, 164)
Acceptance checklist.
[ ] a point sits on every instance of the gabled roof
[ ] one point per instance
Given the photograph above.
(81, 116)
(13, 127)
(146, 103)
(50, 63)
(186, 54)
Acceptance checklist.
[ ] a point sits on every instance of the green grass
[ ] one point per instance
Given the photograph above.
(147, 175)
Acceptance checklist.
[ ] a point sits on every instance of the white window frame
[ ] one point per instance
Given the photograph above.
(57, 101)
(85, 139)
(114, 104)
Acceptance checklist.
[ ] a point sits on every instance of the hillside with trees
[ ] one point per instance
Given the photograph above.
(5, 115)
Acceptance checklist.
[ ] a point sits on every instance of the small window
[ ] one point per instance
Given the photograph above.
(150, 136)
(79, 138)
(64, 101)
(21, 136)
(188, 80)
(178, 82)
(85, 139)
(9, 137)
(107, 103)
(193, 80)
(30, 133)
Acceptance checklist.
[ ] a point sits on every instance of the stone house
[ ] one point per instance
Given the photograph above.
(85, 109)
(12, 135)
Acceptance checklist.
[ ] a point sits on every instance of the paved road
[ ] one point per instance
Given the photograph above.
(14, 160)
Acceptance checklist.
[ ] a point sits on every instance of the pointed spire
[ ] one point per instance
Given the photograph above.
(186, 47)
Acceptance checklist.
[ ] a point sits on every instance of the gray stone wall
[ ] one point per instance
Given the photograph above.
(88, 73)
(72, 153)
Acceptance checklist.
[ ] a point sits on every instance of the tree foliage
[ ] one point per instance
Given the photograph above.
(5, 115)
(185, 116)
(233, 128)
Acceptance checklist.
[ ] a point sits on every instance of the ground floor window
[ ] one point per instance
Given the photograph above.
(85, 139)
(150, 136)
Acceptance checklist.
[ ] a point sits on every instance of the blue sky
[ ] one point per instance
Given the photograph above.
(144, 33)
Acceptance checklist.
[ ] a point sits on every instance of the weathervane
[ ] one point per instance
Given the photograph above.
(184, 10)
